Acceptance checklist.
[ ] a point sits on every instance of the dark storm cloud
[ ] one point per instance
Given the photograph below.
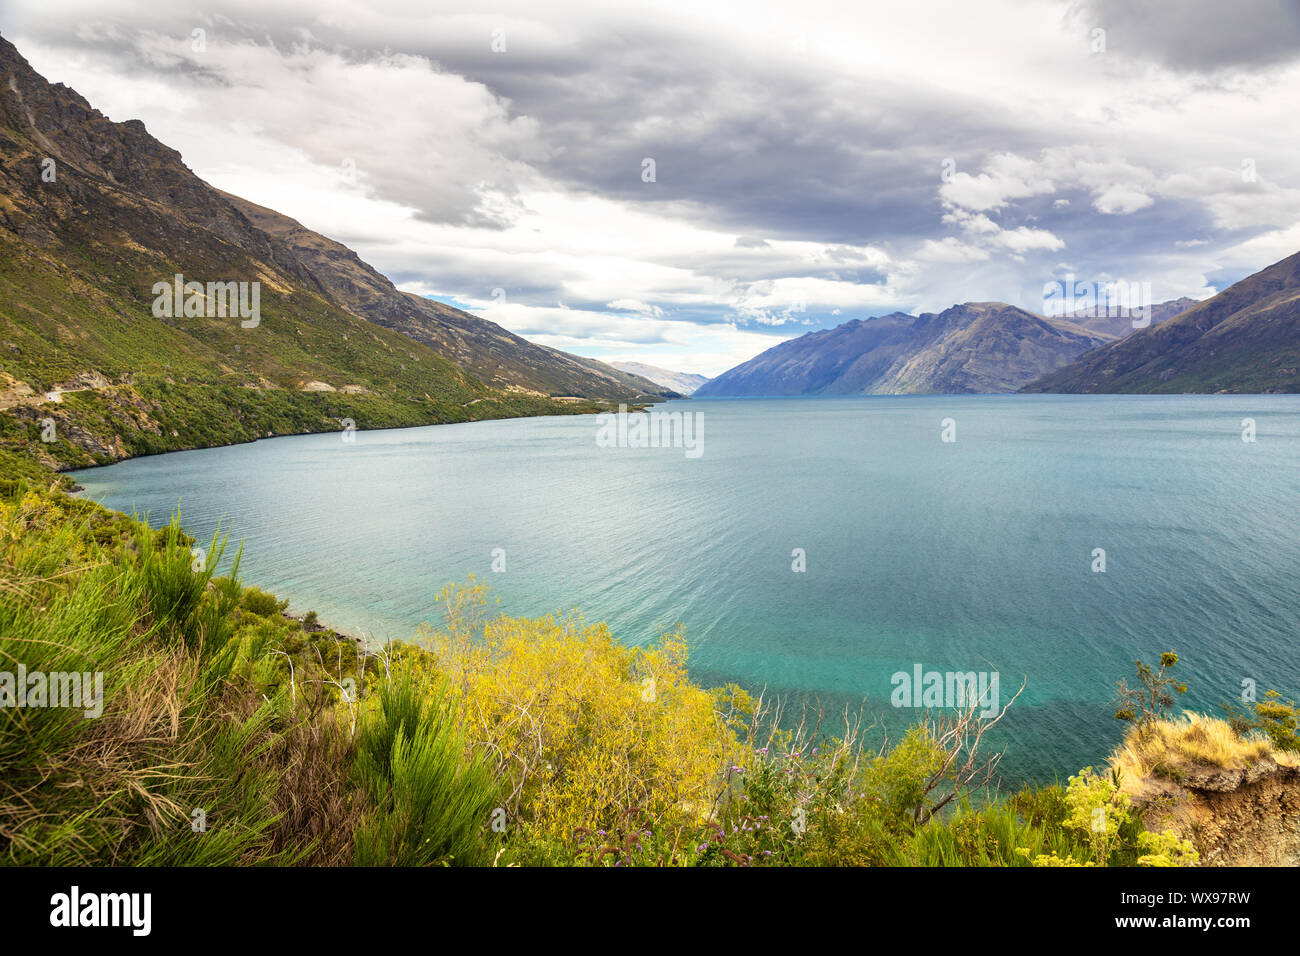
(1202, 36)
(766, 146)
(770, 147)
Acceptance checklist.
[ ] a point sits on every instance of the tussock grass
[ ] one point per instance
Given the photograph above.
(83, 592)
(224, 737)
(1168, 748)
(432, 795)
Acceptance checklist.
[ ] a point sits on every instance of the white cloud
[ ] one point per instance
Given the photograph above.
(1005, 177)
(949, 249)
(632, 305)
(1025, 239)
(1121, 199)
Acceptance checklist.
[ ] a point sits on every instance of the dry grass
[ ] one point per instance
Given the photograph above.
(1287, 758)
(317, 803)
(1167, 748)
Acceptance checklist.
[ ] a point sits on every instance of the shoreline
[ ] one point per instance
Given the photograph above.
(642, 406)
(66, 470)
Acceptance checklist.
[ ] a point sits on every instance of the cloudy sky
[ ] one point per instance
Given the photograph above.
(688, 183)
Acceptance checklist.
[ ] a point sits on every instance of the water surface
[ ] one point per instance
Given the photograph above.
(970, 555)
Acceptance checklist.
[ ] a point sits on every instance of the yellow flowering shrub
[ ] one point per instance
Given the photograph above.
(581, 728)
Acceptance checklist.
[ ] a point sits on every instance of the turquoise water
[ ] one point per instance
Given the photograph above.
(970, 555)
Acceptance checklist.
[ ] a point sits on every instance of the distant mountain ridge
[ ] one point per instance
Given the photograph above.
(1120, 325)
(976, 347)
(1246, 339)
(684, 382)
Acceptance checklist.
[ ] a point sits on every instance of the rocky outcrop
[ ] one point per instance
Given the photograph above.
(14, 392)
(1246, 816)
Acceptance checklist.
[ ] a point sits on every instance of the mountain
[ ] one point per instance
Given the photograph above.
(1246, 339)
(499, 358)
(1119, 326)
(684, 382)
(975, 347)
(97, 217)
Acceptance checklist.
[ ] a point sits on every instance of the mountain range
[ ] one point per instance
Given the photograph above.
(975, 347)
(1118, 324)
(96, 216)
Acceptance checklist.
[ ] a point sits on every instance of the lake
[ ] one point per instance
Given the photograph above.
(976, 554)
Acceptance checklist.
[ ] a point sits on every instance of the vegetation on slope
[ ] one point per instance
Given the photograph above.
(211, 382)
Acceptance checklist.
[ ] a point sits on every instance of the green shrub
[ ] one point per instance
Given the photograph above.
(431, 802)
(1153, 698)
(172, 736)
(1274, 716)
(263, 604)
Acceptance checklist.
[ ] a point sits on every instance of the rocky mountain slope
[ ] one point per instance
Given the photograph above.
(1241, 817)
(1246, 339)
(97, 216)
(975, 347)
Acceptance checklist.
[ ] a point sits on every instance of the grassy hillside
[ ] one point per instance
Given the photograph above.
(92, 215)
(137, 384)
